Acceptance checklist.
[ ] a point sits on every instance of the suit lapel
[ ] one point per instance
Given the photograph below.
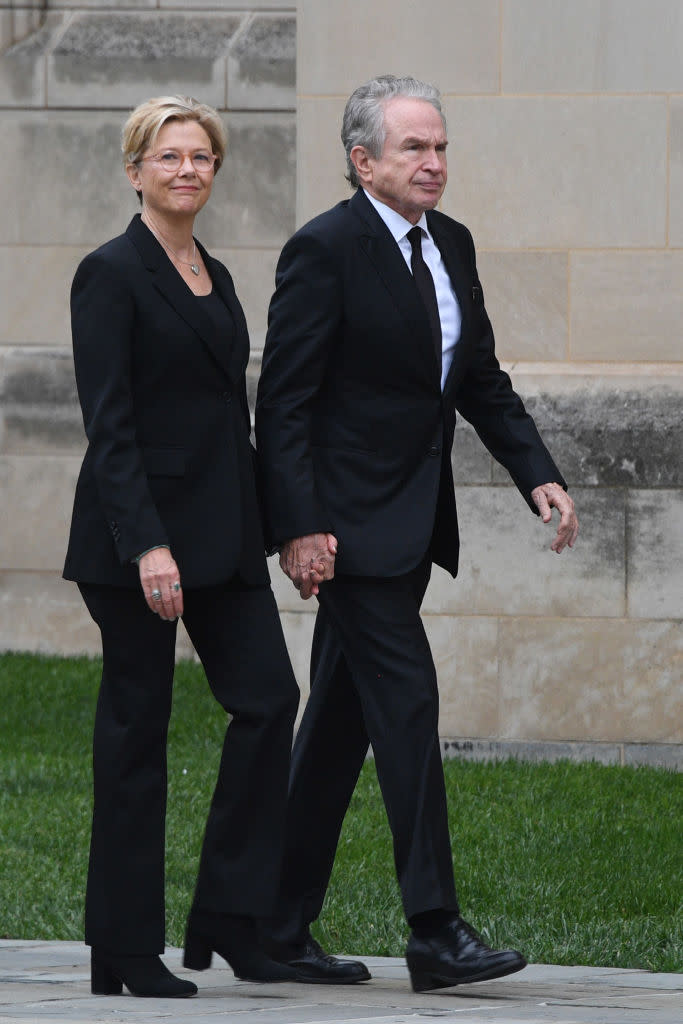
(174, 290)
(382, 250)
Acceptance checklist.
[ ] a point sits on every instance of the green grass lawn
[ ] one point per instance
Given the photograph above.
(571, 863)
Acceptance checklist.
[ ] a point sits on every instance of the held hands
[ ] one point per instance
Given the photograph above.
(159, 576)
(308, 561)
(552, 494)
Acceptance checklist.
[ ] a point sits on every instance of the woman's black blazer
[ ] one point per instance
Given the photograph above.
(163, 396)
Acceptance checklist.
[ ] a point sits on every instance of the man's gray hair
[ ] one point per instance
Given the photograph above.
(363, 121)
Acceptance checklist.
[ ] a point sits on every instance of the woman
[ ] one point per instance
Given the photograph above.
(166, 524)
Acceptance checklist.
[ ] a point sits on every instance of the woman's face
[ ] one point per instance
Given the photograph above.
(180, 191)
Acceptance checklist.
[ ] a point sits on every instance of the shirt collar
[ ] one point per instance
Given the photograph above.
(398, 225)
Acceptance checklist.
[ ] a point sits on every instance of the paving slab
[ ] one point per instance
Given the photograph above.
(49, 982)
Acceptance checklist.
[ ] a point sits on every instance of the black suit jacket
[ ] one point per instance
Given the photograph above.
(164, 404)
(353, 432)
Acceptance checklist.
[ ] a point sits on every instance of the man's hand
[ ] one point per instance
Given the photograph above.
(552, 494)
(308, 561)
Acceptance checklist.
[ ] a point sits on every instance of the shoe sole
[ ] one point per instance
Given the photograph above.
(307, 979)
(425, 982)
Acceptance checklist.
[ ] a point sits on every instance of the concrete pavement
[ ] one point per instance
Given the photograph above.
(49, 982)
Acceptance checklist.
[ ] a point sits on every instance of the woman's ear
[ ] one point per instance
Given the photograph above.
(133, 172)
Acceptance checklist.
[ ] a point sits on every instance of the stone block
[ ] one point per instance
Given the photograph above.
(36, 499)
(342, 45)
(321, 163)
(262, 64)
(470, 460)
(80, 196)
(676, 171)
(656, 755)
(526, 299)
(253, 271)
(540, 750)
(39, 413)
(590, 679)
(118, 59)
(608, 428)
(626, 306)
(655, 555)
(6, 29)
(22, 66)
(252, 205)
(507, 568)
(35, 282)
(557, 172)
(465, 653)
(552, 46)
(140, 5)
(43, 613)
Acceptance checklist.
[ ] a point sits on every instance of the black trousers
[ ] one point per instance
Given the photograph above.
(237, 634)
(372, 681)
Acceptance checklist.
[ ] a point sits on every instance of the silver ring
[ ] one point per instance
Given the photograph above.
(176, 586)
(156, 595)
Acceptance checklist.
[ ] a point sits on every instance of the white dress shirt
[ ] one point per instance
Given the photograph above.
(449, 308)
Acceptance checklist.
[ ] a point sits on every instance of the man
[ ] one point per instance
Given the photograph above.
(377, 335)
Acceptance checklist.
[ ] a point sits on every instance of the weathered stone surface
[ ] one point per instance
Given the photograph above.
(553, 46)
(80, 196)
(655, 555)
(507, 568)
(39, 408)
(119, 59)
(22, 66)
(262, 65)
(590, 679)
(676, 171)
(252, 203)
(253, 197)
(456, 46)
(41, 612)
(608, 430)
(253, 271)
(36, 498)
(526, 299)
(497, 750)
(321, 164)
(627, 306)
(465, 653)
(656, 755)
(226, 5)
(35, 281)
(558, 173)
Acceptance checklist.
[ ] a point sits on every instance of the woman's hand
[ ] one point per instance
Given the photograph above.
(160, 581)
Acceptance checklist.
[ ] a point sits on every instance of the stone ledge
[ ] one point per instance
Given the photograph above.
(655, 755)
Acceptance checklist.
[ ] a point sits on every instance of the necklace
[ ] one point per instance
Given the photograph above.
(192, 264)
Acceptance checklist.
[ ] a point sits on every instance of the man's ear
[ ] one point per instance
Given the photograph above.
(362, 161)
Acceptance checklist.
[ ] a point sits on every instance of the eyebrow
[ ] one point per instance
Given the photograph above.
(422, 140)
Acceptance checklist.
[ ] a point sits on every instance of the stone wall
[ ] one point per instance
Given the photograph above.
(566, 161)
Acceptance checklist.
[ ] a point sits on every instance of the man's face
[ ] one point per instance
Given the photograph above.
(411, 173)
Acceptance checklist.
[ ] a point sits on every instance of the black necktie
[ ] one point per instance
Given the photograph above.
(425, 286)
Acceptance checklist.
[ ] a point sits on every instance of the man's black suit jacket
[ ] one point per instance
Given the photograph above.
(353, 432)
(164, 403)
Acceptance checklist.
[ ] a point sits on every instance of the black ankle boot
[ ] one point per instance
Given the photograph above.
(235, 938)
(142, 976)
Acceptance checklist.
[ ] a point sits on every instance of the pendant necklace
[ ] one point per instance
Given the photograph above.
(193, 265)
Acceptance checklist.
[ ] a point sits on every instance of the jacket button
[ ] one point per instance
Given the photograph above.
(434, 450)
(226, 396)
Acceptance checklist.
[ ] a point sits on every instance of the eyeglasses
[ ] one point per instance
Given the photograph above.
(171, 160)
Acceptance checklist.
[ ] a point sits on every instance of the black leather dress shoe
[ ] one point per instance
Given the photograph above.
(313, 965)
(456, 955)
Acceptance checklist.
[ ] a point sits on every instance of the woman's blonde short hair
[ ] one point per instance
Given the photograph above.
(146, 121)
